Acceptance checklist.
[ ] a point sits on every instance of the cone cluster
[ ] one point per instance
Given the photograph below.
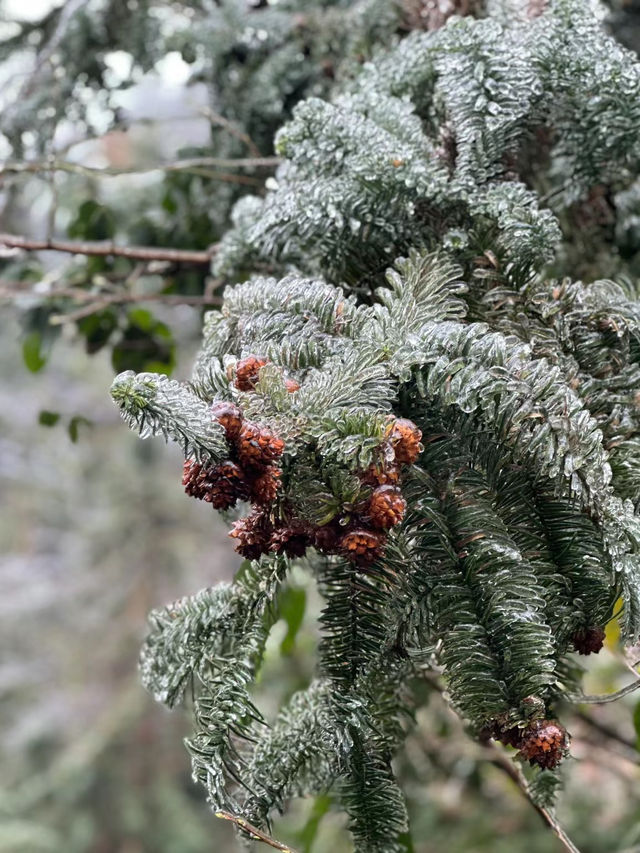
(251, 472)
(358, 534)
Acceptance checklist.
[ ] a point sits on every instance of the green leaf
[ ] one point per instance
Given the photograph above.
(308, 834)
(32, 352)
(74, 426)
(48, 419)
(98, 328)
(146, 345)
(93, 222)
(292, 606)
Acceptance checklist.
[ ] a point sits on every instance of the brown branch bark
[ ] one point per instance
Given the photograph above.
(192, 164)
(139, 253)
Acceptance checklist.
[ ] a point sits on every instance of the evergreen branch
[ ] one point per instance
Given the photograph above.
(254, 832)
(156, 405)
(105, 249)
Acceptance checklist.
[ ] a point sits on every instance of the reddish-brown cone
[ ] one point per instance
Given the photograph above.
(509, 737)
(291, 385)
(588, 641)
(194, 479)
(252, 535)
(293, 539)
(229, 415)
(220, 485)
(361, 546)
(387, 507)
(544, 742)
(327, 538)
(405, 437)
(247, 372)
(264, 488)
(380, 474)
(257, 446)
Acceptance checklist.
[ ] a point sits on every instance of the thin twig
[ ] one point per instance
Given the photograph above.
(96, 302)
(221, 121)
(507, 766)
(140, 253)
(608, 697)
(254, 832)
(191, 164)
(606, 732)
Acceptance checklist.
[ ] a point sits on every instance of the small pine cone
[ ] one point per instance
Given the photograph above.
(405, 437)
(361, 546)
(247, 370)
(252, 535)
(588, 641)
(327, 538)
(293, 539)
(221, 486)
(228, 485)
(264, 488)
(195, 479)
(510, 737)
(291, 385)
(387, 507)
(229, 415)
(544, 742)
(258, 446)
(380, 474)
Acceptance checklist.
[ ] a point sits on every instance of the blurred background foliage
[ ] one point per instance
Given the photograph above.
(94, 527)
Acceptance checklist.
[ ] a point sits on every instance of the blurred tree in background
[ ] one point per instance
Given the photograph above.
(129, 130)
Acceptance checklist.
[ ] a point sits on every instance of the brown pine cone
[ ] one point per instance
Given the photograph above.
(220, 485)
(509, 737)
(327, 537)
(228, 485)
(229, 415)
(291, 385)
(588, 641)
(387, 507)
(263, 489)
(380, 473)
(544, 742)
(257, 446)
(292, 539)
(247, 370)
(361, 546)
(195, 479)
(405, 437)
(252, 535)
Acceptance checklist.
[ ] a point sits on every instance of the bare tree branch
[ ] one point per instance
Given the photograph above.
(221, 121)
(140, 253)
(609, 697)
(197, 165)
